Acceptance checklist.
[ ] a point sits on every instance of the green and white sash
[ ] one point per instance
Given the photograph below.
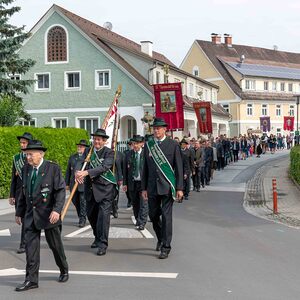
(163, 164)
(19, 161)
(108, 175)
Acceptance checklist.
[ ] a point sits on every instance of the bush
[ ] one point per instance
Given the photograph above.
(295, 163)
(60, 144)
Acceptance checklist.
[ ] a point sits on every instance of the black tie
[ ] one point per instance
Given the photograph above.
(33, 178)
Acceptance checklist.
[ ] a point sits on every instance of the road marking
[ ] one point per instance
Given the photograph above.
(144, 232)
(16, 272)
(76, 232)
(7, 211)
(5, 232)
(224, 189)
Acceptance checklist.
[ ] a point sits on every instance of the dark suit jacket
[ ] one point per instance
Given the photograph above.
(75, 163)
(35, 206)
(188, 161)
(129, 169)
(152, 179)
(96, 185)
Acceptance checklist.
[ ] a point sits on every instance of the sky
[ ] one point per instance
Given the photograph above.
(173, 26)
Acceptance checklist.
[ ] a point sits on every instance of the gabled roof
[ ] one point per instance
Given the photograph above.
(221, 55)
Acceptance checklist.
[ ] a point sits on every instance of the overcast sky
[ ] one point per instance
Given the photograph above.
(172, 26)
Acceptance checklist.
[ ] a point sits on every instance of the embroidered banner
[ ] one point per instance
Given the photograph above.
(265, 124)
(203, 113)
(288, 123)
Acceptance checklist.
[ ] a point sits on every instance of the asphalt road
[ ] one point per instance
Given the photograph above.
(219, 252)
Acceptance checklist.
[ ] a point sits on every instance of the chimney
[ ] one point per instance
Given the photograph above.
(228, 39)
(216, 38)
(146, 47)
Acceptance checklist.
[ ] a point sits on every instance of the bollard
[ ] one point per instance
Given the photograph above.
(274, 184)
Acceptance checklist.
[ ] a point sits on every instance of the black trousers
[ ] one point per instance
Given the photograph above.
(115, 203)
(80, 205)
(139, 206)
(235, 155)
(186, 185)
(160, 212)
(22, 242)
(207, 172)
(32, 246)
(98, 214)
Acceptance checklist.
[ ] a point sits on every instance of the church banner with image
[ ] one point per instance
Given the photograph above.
(169, 104)
(203, 113)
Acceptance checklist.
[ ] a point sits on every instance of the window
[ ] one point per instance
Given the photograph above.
(226, 107)
(89, 124)
(282, 86)
(131, 127)
(278, 131)
(249, 109)
(191, 89)
(266, 85)
(60, 122)
(250, 84)
(274, 86)
(290, 87)
(15, 76)
(205, 94)
(166, 78)
(57, 44)
(264, 109)
(196, 71)
(42, 82)
(102, 79)
(157, 77)
(23, 122)
(278, 110)
(292, 110)
(73, 80)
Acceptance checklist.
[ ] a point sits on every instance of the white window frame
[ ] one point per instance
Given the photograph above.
(278, 109)
(226, 107)
(250, 84)
(77, 120)
(36, 88)
(157, 77)
(290, 84)
(104, 87)
(266, 108)
(292, 108)
(282, 84)
(14, 75)
(66, 81)
(249, 109)
(274, 84)
(23, 120)
(46, 46)
(196, 69)
(54, 119)
(267, 84)
(191, 89)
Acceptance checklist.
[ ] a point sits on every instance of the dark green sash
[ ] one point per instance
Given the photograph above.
(19, 160)
(108, 175)
(163, 164)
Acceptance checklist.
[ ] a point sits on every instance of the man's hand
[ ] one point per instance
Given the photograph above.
(179, 195)
(145, 195)
(184, 176)
(79, 176)
(125, 188)
(120, 182)
(18, 220)
(12, 201)
(54, 217)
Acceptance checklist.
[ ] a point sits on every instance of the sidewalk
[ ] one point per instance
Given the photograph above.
(5, 207)
(261, 205)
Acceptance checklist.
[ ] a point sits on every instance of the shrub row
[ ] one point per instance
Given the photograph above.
(60, 144)
(295, 163)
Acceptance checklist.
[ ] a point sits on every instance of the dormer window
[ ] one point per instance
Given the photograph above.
(57, 46)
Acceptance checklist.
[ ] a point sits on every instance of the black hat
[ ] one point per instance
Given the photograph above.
(137, 138)
(159, 122)
(184, 141)
(35, 145)
(83, 143)
(100, 132)
(26, 135)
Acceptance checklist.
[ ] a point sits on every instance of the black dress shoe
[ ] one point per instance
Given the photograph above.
(158, 246)
(63, 277)
(198, 190)
(95, 244)
(101, 252)
(81, 224)
(21, 250)
(27, 285)
(141, 227)
(115, 214)
(186, 198)
(163, 254)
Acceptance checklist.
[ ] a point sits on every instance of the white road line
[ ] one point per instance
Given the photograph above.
(223, 189)
(7, 211)
(72, 234)
(17, 272)
(5, 232)
(144, 232)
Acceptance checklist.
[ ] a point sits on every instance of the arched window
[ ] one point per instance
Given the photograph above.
(196, 71)
(57, 44)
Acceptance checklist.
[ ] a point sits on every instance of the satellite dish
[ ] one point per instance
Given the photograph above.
(108, 26)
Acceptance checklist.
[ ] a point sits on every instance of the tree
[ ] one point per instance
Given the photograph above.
(11, 39)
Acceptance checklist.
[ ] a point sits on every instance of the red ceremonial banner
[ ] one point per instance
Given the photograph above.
(288, 123)
(169, 104)
(203, 113)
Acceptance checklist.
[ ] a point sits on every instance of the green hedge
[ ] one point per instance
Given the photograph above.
(60, 144)
(295, 163)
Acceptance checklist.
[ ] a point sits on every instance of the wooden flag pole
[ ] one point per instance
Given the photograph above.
(103, 126)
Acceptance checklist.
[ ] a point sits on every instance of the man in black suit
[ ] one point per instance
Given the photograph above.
(75, 164)
(126, 156)
(162, 183)
(100, 187)
(208, 159)
(132, 181)
(16, 186)
(41, 205)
